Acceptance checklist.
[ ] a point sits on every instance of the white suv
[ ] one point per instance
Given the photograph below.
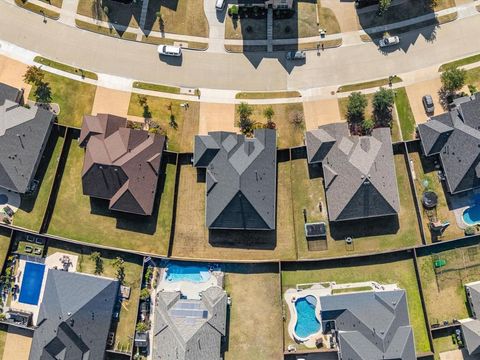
(169, 50)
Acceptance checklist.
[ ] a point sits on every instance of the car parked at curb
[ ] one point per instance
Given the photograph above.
(428, 104)
(296, 55)
(389, 41)
(169, 50)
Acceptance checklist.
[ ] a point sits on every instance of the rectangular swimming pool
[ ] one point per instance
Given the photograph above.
(31, 283)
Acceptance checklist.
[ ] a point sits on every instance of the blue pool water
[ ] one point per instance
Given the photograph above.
(471, 216)
(185, 271)
(31, 283)
(307, 323)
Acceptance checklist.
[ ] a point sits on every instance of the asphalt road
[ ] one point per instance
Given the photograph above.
(258, 71)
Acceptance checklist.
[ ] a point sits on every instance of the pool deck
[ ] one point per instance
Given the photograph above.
(318, 290)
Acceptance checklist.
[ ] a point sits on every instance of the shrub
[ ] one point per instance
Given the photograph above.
(367, 126)
(470, 230)
(296, 119)
(383, 101)
(453, 79)
(472, 89)
(357, 102)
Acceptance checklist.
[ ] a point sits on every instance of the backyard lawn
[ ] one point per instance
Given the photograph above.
(79, 217)
(302, 24)
(32, 209)
(74, 98)
(255, 330)
(117, 13)
(125, 328)
(443, 288)
(426, 174)
(288, 133)
(181, 130)
(368, 236)
(347, 271)
(192, 238)
(405, 114)
(443, 343)
(395, 130)
(4, 245)
(185, 17)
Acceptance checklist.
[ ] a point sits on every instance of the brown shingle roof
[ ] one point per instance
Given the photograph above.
(120, 164)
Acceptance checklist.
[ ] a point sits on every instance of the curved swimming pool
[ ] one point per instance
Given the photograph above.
(307, 322)
(471, 215)
(187, 271)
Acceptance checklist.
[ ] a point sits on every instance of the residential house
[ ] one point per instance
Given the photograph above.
(275, 4)
(471, 327)
(358, 171)
(241, 177)
(454, 139)
(121, 165)
(74, 317)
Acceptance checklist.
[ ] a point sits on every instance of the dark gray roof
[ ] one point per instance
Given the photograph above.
(189, 329)
(359, 172)
(455, 137)
(371, 325)
(23, 136)
(74, 317)
(240, 179)
(473, 291)
(471, 334)
(8, 92)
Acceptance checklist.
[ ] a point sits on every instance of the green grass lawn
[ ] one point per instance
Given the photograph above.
(405, 114)
(255, 330)
(369, 236)
(424, 170)
(79, 217)
(125, 328)
(388, 270)
(185, 17)
(237, 28)
(118, 13)
(462, 62)
(268, 95)
(4, 245)
(66, 68)
(368, 84)
(74, 98)
(156, 87)
(32, 209)
(473, 77)
(181, 132)
(443, 343)
(444, 291)
(288, 134)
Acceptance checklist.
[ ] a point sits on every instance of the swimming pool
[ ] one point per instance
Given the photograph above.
(471, 215)
(31, 283)
(307, 322)
(185, 271)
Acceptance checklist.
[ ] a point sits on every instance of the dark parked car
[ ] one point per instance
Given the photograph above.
(428, 104)
(296, 55)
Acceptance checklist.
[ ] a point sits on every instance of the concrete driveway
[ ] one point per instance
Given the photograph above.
(321, 112)
(216, 117)
(216, 25)
(457, 355)
(415, 93)
(110, 101)
(11, 73)
(345, 12)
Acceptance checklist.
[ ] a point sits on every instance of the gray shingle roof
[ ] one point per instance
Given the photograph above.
(240, 180)
(8, 92)
(23, 136)
(371, 325)
(359, 172)
(189, 329)
(74, 317)
(455, 137)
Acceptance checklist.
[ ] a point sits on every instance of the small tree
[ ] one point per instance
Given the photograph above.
(296, 119)
(383, 5)
(357, 103)
(142, 327)
(98, 261)
(245, 124)
(43, 93)
(142, 100)
(148, 274)
(453, 79)
(155, 128)
(268, 113)
(383, 101)
(472, 89)
(119, 265)
(367, 126)
(144, 294)
(34, 75)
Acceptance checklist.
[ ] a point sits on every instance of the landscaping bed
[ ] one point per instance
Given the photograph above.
(374, 269)
(95, 223)
(32, 210)
(255, 330)
(180, 129)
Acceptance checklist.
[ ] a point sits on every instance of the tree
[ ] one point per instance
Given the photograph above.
(367, 126)
(34, 75)
(98, 261)
(119, 265)
(453, 79)
(383, 5)
(142, 327)
(268, 113)
(144, 294)
(357, 102)
(245, 123)
(383, 101)
(43, 93)
(155, 128)
(296, 119)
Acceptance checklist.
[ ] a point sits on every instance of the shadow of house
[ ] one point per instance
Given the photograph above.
(374, 24)
(152, 18)
(120, 14)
